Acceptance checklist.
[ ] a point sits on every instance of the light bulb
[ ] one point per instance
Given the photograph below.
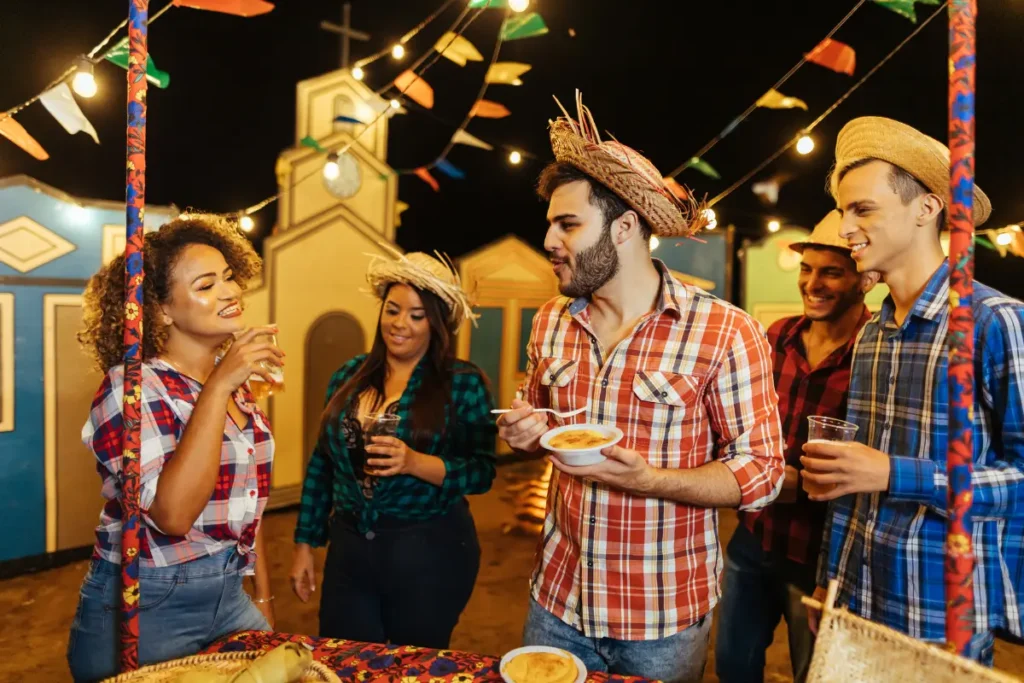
(398, 51)
(654, 243)
(357, 73)
(1004, 239)
(518, 5)
(710, 215)
(712, 224)
(331, 169)
(246, 223)
(84, 84)
(514, 157)
(774, 226)
(395, 104)
(805, 145)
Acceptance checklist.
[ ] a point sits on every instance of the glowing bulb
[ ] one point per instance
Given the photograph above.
(84, 83)
(774, 226)
(710, 215)
(246, 223)
(712, 224)
(518, 5)
(395, 104)
(331, 168)
(358, 73)
(654, 243)
(514, 157)
(805, 145)
(1004, 239)
(398, 51)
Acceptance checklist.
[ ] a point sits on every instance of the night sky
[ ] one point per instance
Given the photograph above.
(663, 77)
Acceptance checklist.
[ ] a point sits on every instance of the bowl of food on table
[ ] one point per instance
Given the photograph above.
(580, 444)
(539, 664)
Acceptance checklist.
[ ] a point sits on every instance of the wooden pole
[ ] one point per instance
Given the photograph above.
(135, 210)
(960, 218)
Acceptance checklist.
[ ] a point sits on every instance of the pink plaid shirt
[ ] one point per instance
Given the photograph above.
(232, 515)
(692, 383)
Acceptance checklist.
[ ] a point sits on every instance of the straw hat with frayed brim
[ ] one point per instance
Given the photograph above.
(425, 272)
(925, 158)
(625, 172)
(825, 234)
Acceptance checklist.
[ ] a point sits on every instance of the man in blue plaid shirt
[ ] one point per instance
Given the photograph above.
(884, 539)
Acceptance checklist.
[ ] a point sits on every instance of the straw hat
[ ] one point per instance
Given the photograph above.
(422, 271)
(625, 172)
(825, 234)
(925, 158)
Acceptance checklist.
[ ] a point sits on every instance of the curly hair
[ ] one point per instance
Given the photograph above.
(104, 307)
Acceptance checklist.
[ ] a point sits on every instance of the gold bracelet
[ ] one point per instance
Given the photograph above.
(260, 601)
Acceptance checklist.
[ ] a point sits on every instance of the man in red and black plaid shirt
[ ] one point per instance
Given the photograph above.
(771, 559)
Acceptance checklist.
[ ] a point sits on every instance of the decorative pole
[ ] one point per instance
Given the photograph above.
(960, 218)
(135, 212)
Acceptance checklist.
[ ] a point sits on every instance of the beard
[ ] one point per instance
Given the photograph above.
(593, 267)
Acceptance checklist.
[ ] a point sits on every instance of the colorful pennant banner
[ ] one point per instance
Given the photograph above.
(523, 26)
(62, 106)
(119, 55)
(446, 167)
(834, 55)
(424, 175)
(240, 8)
(773, 99)
(16, 133)
(458, 49)
(486, 109)
(461, 137)
(415, 88)
(506, 73)
(704, 167)
(904, 8)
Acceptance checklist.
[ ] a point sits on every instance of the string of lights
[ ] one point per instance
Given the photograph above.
(805, 132)
(778, 84)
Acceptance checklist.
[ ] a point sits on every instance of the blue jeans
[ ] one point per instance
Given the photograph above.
(679, 658)
(182, 609)
(758, 590)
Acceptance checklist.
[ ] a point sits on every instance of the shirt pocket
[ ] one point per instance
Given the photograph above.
(669, 405)
(556, 376)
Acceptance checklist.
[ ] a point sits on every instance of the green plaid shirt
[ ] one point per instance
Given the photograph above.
(467, 451)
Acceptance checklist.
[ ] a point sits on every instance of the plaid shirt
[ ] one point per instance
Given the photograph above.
(466, 446)
(794, 530)
(233, 514)
(886, 549)
(691, 383)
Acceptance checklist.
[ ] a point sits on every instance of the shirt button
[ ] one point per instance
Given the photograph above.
(370, 535)
(593, 520)
(250, 451)
(252, 493)
(664, 394)
(590, 564)
(604, 383)
(551, 377)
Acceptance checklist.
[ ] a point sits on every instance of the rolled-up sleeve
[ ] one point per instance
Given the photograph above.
(743, 407)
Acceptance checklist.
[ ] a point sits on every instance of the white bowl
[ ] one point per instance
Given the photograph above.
(581, 671)
(578, 457)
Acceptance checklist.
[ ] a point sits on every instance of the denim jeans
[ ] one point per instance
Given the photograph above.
(182, 609)
(758, 590)
(679, 658)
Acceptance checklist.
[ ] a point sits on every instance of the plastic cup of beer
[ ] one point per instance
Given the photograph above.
(258, 385)
(821, 429)
(379, 424)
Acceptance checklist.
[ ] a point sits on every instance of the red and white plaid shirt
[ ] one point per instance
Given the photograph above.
(692, 383)
(232, 515)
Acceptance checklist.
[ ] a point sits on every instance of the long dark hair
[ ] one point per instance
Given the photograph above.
(434, 394)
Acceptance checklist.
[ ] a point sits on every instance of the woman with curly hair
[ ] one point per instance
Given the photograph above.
(206, 449)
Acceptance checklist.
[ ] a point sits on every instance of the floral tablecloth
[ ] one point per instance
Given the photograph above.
(354, 661)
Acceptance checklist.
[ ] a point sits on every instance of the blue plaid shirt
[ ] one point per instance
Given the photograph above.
(886, 549)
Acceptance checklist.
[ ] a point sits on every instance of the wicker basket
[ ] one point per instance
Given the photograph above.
(850, 649)
(223, 662)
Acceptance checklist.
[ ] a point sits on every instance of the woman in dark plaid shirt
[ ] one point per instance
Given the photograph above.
(403, 553)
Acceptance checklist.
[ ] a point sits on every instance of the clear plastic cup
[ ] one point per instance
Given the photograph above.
(821, 429)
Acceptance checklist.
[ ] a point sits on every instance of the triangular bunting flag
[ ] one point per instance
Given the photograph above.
(119, 55)
(415, 88)
(16, 133)
(773, 99)
(676, 189)
(461, 137)
(240, 8)
(491, 4)
(731, 127)
(904, 8)
(446, 167)
(348, 119)
(400, 208)
(834, 55)
(310, 142)
(704, 167)
(62, 106)
(424, 175)
(506, 73)
(523, 26)
(486, 109)
(458, 49)
(767, 191)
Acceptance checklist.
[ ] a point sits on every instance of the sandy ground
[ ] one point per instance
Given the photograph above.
(37, 609)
